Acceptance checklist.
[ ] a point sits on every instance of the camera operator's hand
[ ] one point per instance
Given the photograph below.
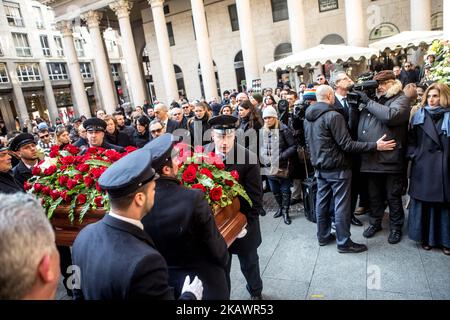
(362, 97)
(196, 287)
(383, 145)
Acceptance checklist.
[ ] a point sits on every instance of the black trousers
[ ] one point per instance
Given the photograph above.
(386, 187)
(250, 269)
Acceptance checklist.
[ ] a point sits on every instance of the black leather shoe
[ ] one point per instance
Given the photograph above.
(352, 247)
(259, 297)
(278, 213)
(371, 230)
(356, 222)
(330, 239)
(395, 236)
(262, 212)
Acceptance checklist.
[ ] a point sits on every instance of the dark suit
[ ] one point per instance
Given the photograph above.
(118, 260)
(21, 173)
(8, 184)
(104, 145)
(194, 246)
(246, 247)
(172, 125)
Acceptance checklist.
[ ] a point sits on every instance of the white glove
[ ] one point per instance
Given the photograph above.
(242, 234)
(196, 287)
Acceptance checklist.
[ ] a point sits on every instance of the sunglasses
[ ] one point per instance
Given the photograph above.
(187, 107)
(156, 130)
(44, 136)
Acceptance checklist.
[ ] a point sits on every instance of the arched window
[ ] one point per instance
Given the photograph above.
(240, 71)
(332, 39)
(180, 80)
(282, 51)
(437, 21)
(202, 87)
(384, 30)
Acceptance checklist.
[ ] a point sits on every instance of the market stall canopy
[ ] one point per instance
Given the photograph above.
(321, 54)
(407, 39)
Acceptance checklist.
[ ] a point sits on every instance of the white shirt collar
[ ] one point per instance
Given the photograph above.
(29, 167)
(137, 223)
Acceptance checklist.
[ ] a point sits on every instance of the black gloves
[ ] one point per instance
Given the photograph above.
(362, 97)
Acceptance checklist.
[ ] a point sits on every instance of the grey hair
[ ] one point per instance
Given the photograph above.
(156, 121)
(335, 77)
(162, 106)
(26, 236)
(322, 93)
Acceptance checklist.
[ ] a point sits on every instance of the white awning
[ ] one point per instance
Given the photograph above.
(407, 39)
(321, 54)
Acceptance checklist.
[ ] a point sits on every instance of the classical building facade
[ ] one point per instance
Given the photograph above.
(36, 76)
(202, 47)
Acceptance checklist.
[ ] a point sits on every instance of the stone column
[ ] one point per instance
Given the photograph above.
(297, 25)
(18, 98)
(80, 98)
(165, 55)
(355, 18)
(446, 19)
(204, 49)
(104, 78)
(420, 15)
(49, 94)
(247, 41)
(122, 9)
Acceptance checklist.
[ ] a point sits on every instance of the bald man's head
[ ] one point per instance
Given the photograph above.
(325, 93)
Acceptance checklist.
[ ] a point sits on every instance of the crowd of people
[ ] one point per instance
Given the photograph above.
(366, 150)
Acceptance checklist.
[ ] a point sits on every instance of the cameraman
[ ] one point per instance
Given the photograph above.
(389, 115)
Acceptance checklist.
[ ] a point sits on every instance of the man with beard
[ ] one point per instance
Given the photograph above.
(25, 147)
(236, 157)
(129, 130)
(195, 246)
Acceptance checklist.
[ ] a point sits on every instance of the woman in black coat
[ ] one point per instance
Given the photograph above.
(113, 135)
(278, 146)
(249, 119)
(199, 125)
(429, 151)
(142, 134)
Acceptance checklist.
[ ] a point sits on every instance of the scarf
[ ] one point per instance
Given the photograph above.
(419, 117)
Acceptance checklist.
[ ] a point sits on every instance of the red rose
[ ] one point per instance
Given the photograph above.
(83, 167)
(81, 199)
(54, 148)
(63, 180)
(27, 186)
(67, 160)
(65, 196)
(113, 155)
(72, 149)
(96, 173)
(63, 167)
(199, 186)
(88, 181)
(99, 201)
(215, 193)
(46, 190)
(38, 187)
(91, 150)
(219, 165)
(199, 149)
(54, 153)
(97, 186)
(43, 202)
(190, 174)
(71, 183)
(229, 182)
(130, 149)
(36, 171)
(207, 173)
(50, 170)
(235, 175)
(55, 194)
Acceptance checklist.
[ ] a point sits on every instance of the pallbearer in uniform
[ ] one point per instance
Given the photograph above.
(246, 164)
(25, 147)
(95, 133)
(183, 228)
(117, 259)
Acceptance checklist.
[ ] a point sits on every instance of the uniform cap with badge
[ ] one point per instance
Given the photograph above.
(128, 174)
(95, 124)
(223, 124)
(161, 149)
(20, 141)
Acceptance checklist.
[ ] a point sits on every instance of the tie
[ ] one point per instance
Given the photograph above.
(345, 103)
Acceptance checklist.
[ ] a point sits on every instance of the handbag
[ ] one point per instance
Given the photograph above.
(283, 172)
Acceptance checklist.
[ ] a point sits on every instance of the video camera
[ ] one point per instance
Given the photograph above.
(368, 87)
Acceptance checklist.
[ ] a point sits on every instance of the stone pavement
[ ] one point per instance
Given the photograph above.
(294, 267)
